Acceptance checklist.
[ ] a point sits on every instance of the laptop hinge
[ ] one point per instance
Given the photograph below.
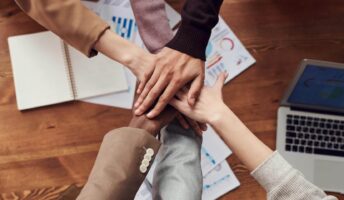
(317, 111)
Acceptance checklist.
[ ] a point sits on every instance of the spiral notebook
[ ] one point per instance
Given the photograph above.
(47, 71)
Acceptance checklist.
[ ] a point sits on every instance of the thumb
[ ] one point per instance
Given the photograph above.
(195, 90)
(221, 80)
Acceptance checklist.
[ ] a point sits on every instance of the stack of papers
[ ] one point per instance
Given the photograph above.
(224, 52)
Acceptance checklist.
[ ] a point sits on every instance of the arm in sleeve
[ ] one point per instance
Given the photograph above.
(283, 182)
(116, 173)
(198, 19)
(178, 173)
(69, 19)
(152, 23)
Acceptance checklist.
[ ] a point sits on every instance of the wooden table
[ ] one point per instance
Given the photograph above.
(45, 150)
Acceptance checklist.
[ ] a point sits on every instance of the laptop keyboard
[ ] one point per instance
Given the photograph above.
(315, 135)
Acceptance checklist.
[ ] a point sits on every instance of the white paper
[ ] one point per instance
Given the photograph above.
(121, 20)
(225, 52)
(123, 99)
(144, 192)
(213, 151)
(41, 76)
(119, 99)
(172, 15)
(219, 181)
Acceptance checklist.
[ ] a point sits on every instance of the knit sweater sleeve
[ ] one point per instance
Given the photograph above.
(283, 182)
(198, 19)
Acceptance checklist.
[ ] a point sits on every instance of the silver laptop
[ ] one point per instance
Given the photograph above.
(310, 127)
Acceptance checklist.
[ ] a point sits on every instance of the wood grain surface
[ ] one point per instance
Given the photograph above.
(43, 151)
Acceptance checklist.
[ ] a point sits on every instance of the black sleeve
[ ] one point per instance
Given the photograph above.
(198, 19)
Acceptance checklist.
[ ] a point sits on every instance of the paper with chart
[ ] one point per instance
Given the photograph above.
(144, 192)
(219, 181)
(225, 52)
(213, 151)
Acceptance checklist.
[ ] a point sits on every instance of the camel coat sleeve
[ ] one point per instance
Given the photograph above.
(69, 19)
(116, 173)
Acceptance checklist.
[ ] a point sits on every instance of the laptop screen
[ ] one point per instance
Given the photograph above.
(319, 86)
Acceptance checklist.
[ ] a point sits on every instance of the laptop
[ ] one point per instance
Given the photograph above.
(310, 126)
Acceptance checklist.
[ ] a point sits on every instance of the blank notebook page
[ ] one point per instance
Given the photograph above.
(40, 73)
(96, 76)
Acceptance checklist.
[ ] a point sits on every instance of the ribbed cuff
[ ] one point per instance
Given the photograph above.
(190, 40)
(270, 173)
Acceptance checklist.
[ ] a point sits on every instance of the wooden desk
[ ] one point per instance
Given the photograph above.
(45, 150)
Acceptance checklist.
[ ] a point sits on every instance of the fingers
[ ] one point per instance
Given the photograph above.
(182, 94)
(194, 125)
(220, 80)
(164, 99)
(177, 104)
(142, 83)
(182, 121)
(195, 90)
(147, 87)
(151, 97)
(203, 126)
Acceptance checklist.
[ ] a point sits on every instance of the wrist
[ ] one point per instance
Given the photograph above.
(222, 116)
(117, 48)
(144, 126)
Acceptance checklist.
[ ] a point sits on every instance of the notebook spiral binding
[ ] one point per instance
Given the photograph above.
(69, 69)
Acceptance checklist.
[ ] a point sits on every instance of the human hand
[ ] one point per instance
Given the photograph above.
(172, 71)
(186, 123)
(153, 126)
(210, 103)
(140, 62)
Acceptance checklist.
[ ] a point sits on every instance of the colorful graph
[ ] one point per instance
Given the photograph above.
(125, 27)
(207, 186)
(208, 156)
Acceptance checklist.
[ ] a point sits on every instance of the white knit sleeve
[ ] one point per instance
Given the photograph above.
(283, 182)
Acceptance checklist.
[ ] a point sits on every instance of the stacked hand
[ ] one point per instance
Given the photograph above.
(161, 76)
(172, 71)
(201, 111)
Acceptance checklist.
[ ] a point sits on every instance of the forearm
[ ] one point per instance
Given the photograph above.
(122, 51)
(245, 145)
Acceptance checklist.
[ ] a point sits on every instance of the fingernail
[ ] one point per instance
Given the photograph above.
(192, 101)
(136, 104)
(137, 112)
(150, 114)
